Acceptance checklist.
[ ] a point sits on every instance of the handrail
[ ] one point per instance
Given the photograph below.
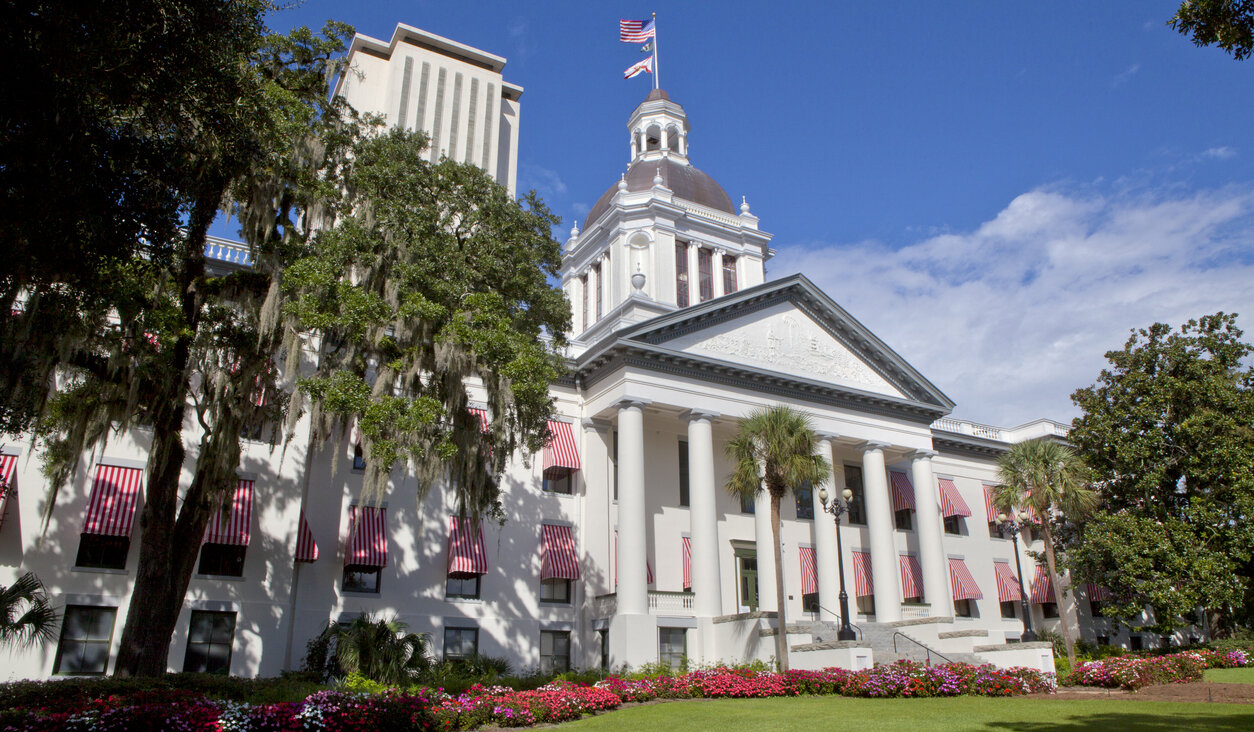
(839, 619)
(927, 650)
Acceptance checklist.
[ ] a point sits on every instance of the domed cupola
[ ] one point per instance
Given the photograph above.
(659, 146)
(664, 236)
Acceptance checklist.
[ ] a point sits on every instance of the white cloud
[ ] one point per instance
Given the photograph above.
(1220, 153)
(543, 180)
(1012, 317)
(1124, 76)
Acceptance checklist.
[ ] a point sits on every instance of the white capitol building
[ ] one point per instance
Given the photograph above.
(620, 545)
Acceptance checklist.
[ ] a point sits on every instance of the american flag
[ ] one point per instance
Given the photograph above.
(635, 31)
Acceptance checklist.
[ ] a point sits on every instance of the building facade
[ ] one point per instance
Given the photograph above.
(620, 545)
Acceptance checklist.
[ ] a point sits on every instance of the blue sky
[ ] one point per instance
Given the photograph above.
(1001, 191)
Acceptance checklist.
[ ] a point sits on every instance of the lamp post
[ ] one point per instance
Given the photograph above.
(1008, 526)
(837, 508)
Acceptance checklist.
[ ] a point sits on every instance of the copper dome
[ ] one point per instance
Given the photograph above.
(684, 181)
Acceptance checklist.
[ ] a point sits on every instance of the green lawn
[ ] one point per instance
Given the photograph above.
(812, 714)
(1231, 675)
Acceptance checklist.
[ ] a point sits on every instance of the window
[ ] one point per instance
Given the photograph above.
(747, 504)
(359, 458)
(672, 646)
(683, 473)
(805, 501)
(559, 480)
(1008, 609)
(224, 560)
(614, 457)
(903, 520)
(554, 651)
(1135, 643)
(810, 602)
(460, 643)
(857, 504)
(866, 605)
(596, 292)
(209, 641)
(86, 633)
(1049, 610)
(953, 525)
(681, 274)
(583, 287)
(1095, 609)
(705, 273)
(96, 551)
(555, 591)
(360, 578)
(964, 608)
(729, 274)
(993, 531)
(604, 636)
(462, 588)
(1103, 640)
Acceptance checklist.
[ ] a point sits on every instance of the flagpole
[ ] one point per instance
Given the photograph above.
(655, 70)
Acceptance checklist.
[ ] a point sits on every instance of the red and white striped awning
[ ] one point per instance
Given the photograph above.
(648, 567)
(8, 466)
(964, 585)
(809, 571)
(367, 537)
(687, 563)
(482, 414)
(990, 511)
(1042, 587)
(560, 452)
(111, 508)
(1030, 510)
(306, 547)
(911, 576)
(1097, 593)
(230, 523)
(558, 559)
(903, 491)
(466, 555)
(1007, 583)
(951, 500)
(863, 580)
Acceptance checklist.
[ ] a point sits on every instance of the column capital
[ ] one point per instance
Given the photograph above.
(630, 402)
(874, 446)
(923, 454)
(599, 425)
(693, 415)
(826, 436)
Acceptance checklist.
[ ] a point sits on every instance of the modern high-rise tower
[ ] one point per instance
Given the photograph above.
(451, 91)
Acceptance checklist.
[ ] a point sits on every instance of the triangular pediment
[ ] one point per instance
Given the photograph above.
(790, 327)
(784, 339)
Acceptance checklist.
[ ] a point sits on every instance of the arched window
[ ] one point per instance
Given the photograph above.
(672, 138)
(653, 138)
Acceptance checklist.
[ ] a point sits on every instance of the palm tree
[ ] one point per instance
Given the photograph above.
(1049, 477)
(383, 650)
(775, 451)
(26, 619)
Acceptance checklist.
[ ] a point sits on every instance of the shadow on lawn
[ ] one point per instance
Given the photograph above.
(1202, 718)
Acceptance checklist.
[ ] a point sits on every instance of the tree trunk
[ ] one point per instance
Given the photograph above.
(1064, 617)
(781, 635)
(167, 555)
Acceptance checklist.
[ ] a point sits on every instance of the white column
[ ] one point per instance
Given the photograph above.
(765, 550)
(932, 558)
(633, 598)
(716, 267)
(825, 537)
(885, 566)
(703, 515)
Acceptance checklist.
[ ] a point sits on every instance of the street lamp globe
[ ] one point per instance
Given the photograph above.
(847, 494)
(823, 496)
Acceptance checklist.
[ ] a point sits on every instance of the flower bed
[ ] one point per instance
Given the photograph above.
(428, 709)
(1135, 672)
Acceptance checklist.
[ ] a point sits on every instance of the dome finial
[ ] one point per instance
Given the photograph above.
(657, 177)
(622, 183)
(744, 205)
